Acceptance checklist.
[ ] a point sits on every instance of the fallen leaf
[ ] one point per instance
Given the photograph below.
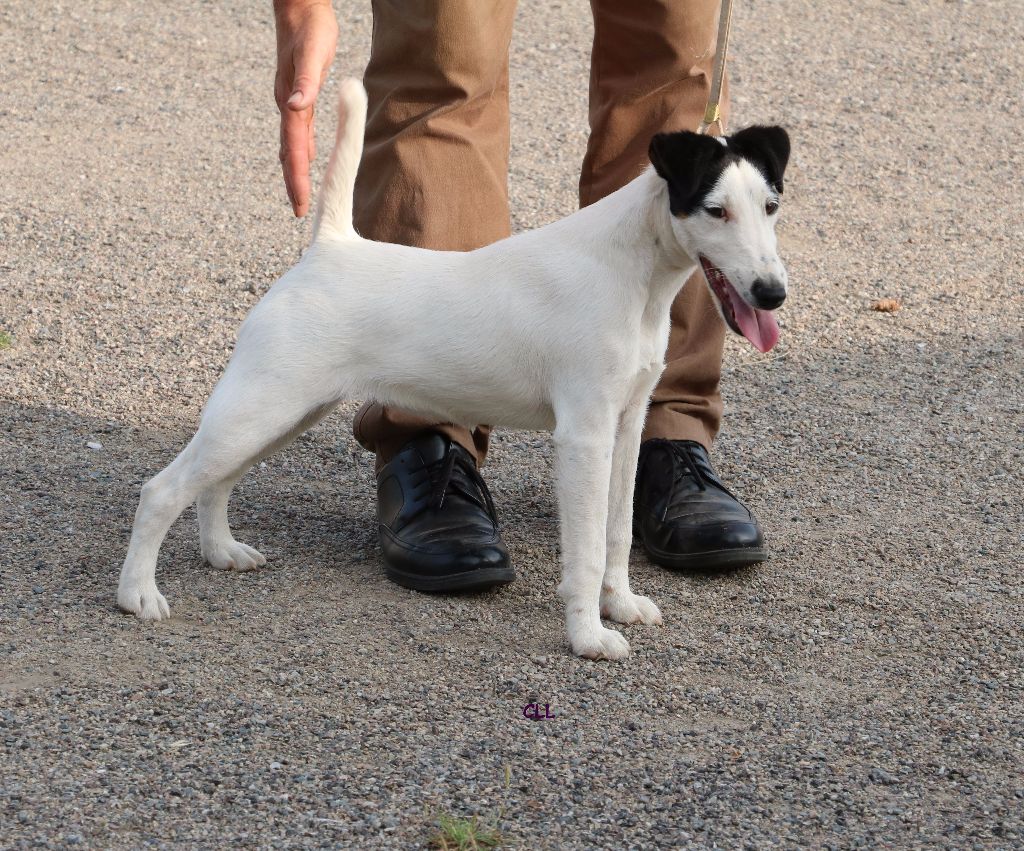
(887, 305)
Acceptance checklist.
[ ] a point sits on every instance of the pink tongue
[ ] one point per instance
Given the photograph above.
(758, 326)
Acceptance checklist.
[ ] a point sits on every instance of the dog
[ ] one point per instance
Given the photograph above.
(563, 328)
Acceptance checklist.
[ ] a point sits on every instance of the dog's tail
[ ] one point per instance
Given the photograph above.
(334, 213)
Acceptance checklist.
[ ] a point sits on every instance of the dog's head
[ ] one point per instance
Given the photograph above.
(724, 199)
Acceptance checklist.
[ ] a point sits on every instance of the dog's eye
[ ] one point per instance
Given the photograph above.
(771, 207)
(716, 212)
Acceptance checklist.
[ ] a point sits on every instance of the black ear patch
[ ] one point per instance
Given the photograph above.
(767, 148)
(690, 163)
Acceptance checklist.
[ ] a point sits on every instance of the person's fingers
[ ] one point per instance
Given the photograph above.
(295, 129)
(305, 50)
(309, 69)
(312, 136)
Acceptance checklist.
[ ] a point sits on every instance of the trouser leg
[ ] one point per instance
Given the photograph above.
(434, 172)
(651, 72)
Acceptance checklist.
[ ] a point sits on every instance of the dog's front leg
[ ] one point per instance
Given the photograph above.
(618, 602)
(583, 462)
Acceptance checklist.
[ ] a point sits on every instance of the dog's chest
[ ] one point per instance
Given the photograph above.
(652, 341)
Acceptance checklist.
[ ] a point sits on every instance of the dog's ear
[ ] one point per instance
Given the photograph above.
(687, 162)
(765, 147)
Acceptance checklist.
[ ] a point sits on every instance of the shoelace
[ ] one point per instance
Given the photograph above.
(681, 453)
(445, 476)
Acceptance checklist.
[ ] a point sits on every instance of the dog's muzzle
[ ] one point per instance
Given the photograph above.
(757, 324)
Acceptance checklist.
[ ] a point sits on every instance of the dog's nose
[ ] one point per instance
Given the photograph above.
(769, 293)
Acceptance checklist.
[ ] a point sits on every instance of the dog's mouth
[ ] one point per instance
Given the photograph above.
(758, 326)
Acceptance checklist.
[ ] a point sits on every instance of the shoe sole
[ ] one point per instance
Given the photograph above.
(473, 580)
(716, 561)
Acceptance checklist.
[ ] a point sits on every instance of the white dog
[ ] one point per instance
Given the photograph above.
(563, 328)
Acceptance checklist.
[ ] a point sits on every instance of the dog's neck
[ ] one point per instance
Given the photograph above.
(635, 223)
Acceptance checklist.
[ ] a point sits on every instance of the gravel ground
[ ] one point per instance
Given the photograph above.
(863, 688)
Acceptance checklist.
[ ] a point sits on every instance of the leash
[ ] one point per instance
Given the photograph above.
(713, 112)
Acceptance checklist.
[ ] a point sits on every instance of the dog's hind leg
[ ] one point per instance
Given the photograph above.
(618, 602)
(163, 498)
(246, 418)
(218, 545)
(216, 542)
(583, 461)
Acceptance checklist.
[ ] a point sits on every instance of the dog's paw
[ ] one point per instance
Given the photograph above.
(232, 555)
(630, 608)
(600, 643)
(143, 601)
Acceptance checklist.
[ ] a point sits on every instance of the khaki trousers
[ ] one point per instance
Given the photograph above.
(435, 165)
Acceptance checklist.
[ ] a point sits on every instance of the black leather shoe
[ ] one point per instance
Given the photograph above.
(683, 514)
(438, 527)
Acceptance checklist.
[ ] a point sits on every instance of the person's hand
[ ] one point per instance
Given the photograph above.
(307, 34)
